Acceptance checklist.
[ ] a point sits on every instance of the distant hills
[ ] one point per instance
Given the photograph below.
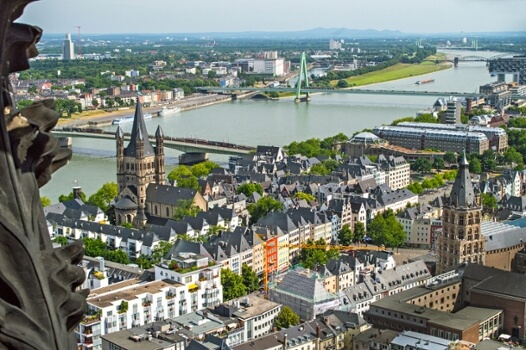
(315, 33)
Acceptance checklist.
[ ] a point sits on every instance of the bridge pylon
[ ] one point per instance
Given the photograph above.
(302, 76)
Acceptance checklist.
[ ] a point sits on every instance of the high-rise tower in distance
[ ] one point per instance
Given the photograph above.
(68, 48)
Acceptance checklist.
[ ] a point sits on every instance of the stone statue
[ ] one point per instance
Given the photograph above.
(39, 303)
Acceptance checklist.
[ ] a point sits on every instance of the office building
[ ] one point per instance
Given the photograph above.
(68, 49)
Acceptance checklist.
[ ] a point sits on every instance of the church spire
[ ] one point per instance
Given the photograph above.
(462, 194)
(139, 133)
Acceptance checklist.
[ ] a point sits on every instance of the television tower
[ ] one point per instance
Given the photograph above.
(79, 51)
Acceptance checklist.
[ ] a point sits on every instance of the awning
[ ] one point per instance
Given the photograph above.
(192, 286)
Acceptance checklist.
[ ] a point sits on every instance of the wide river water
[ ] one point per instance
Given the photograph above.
(271, 122)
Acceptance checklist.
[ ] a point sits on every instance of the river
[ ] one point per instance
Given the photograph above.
(271, 122)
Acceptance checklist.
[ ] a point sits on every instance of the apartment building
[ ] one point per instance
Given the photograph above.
(199, 274)
(397, 171)
(419, 224)
(129, 304)
(255, 314)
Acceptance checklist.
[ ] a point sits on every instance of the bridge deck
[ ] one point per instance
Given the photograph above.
(181, 144)
(343, 91)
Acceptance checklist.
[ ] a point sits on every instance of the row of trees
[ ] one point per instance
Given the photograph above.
(434, 182)
(316, 147)
(422, 118)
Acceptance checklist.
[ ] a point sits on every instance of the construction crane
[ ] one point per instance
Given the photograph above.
(79, 51)
(338, 247)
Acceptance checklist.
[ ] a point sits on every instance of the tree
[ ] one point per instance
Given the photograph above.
(421, 165)
(450, 157)
(212, 74)
(95, 247)
(345, 235)
(489, 201)
(342, 84)
(118, 256)
(95, 103)
(264, 206)
(160, 251)
(21, 104)
(61, 240)
(248, 188)
(203, 169)
(183, 177)
(45, 201)
(385, 229)
(144, 262)
(438, 163)
(185, 208)
(250, 278)
(286, 318)
(215, 230)
(127, 225)
(319, 169)
(359, 231)
(475, 167)
(233, 286)
(512, 156)
(306, 196)
(104, 196)
(415, 187)
(316, 254)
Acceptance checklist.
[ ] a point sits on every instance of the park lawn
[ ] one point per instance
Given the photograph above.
(398, 71)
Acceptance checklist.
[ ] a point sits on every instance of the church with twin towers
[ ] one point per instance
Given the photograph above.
(139, 164)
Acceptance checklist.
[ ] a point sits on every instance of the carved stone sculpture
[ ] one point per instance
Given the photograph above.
(39, 304)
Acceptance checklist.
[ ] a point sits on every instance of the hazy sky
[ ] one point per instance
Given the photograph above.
(187, 16)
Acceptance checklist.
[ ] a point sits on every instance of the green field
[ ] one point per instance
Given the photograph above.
(398, 71)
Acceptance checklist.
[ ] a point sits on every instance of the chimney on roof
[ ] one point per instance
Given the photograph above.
(285, 341)
(102, 268)
(77, 192)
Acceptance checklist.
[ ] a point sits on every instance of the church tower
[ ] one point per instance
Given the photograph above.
(159, 160)
(138, 165)
(461, 240)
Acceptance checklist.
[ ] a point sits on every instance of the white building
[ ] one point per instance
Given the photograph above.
(200, 276)
(256, 315)
(275, 67)
(129, 304)
(335, 45)
(131, 73)
(68, 48)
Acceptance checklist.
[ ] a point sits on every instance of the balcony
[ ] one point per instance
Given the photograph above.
(90, 319)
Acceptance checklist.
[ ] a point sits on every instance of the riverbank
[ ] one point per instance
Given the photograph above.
(396, 72)
(101, 117)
